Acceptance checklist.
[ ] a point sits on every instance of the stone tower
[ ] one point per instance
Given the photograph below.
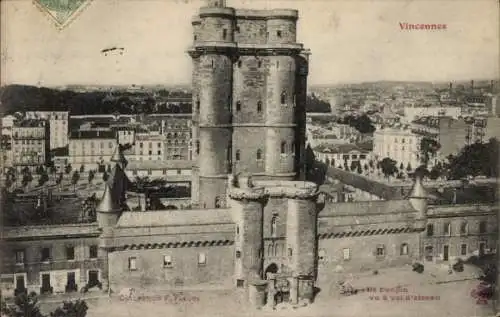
(249, 90)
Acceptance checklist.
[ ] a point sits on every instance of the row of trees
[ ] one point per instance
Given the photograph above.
(361, 123)
(26, 305)
(25, 98)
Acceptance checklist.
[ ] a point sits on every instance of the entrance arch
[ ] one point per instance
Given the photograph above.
(271, 268)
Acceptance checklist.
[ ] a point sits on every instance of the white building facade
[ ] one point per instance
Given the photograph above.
(403, 146)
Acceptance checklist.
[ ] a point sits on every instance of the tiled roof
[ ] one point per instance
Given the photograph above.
(91, 134)
(338, 148)
(175, 218)
(366, 208)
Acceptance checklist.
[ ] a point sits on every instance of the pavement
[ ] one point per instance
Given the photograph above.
(397, 292)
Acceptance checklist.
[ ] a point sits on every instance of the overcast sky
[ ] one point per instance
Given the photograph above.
(351, 41)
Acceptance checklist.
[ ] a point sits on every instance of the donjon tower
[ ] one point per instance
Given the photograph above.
(249, 95)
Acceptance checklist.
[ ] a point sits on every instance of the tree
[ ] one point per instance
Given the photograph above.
(108, 169)
(366, 168)
(408, 167)
(67, 169)
(354, 165)
(74, 179)
(434, 173)
(359, 170)
(476, 159)
(388, 167)
(27, 178)
(59, 179)
(82, 168)
(105, 176)
(422, 171)
(91, 176)
(40, 170)
(77, 308)
(25, 305)
(370, 163)
(428, 148)
(401, 166)
(43, 179)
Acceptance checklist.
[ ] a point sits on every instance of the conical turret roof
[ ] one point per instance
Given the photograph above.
(107, 203)
(118, 157)
(418, 190)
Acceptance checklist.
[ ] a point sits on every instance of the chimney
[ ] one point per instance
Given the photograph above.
(472, 85)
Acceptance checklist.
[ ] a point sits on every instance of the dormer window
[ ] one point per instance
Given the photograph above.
(283, 98)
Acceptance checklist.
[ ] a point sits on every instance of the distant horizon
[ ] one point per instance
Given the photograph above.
(457, 81)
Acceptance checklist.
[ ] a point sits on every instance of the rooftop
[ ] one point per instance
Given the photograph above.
(93, 134)
(158, 165)
(160, 218)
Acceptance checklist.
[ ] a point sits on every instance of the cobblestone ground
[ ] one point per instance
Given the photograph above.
(454, 299)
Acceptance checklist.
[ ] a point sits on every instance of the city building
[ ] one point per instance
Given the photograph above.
(173, 172)
(58, 126)
(29, 144)
(92, 149)
(412, 113)
(401, 145)
(451, 134)
(343, 155)
(148, 147)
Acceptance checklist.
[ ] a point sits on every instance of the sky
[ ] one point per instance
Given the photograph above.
(350, 41)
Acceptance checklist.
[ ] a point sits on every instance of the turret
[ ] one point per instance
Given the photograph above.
(418, 197)
(247, 204)
(108, 211)
(119, 158)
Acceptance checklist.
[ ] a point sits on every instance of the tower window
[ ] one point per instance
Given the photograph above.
(195, 37)
(277, 64)
(197, 147)
(224, 34)
(202, 259)
(292, 148)
(259, 63)
(212, 64)
(228, 154)
(290, 251)
(283, 98)
(197, 105)
(273, 226)
(237, 29)
(238, 154)
(404, 249)
(132, 265)
(167, 261)
(278, 33)
(283, 147)
(259, 106)
(238, 254)
(259, 154)
(238, 105)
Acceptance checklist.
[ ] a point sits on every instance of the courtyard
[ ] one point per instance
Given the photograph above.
(397, 292)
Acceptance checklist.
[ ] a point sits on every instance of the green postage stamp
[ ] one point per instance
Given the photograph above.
(61, 12)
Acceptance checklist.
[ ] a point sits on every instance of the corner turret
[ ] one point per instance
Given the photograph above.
(108, 211)
(418, 197)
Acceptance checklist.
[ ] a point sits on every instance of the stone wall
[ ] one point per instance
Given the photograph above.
(362, 253)
(184, 271)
